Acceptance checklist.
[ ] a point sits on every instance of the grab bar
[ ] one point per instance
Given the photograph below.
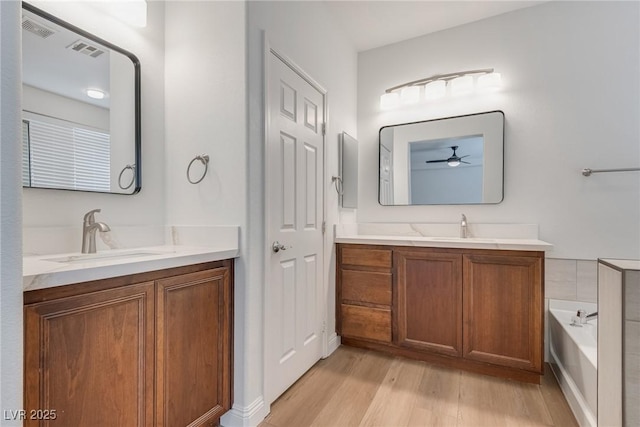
(588, 172)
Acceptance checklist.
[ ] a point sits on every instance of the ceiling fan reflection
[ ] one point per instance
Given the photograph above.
(452, 161)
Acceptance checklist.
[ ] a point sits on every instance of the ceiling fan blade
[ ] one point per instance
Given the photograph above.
(436, 161)
(462, 161)
(462, 157)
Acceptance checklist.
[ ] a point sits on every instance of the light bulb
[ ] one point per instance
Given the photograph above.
(410, 95)
(95, 93)
(489, 81)
(453, 163)
(435, 90)
(462, 85)
(389, 100)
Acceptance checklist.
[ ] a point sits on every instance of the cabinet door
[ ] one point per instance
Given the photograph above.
(428, 312)
(89, 358)
(503, 310)
(193, 384)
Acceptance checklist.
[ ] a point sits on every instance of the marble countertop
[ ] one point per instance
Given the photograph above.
(449, 242)
(482, 236)
(46, 271)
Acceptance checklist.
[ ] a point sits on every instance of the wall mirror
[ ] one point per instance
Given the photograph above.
(81, 109)
(450, 161)
(349, 170)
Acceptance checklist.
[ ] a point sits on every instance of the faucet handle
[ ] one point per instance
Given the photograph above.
(89, 216)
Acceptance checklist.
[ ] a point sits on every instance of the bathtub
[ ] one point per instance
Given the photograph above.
(574, 353)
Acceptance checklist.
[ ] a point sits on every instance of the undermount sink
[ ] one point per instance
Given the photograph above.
(103, 256)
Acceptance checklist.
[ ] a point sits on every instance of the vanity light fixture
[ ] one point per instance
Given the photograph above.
(462, 85)
(410, 95)
(390, 100)
(435, 87)
(95, 93)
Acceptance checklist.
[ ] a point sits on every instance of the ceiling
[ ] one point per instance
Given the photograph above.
(371, 24)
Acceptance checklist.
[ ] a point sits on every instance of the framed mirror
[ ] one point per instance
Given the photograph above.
(81, 109)
(450, 161)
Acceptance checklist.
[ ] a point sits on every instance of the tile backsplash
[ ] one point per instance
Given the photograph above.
(570, 279)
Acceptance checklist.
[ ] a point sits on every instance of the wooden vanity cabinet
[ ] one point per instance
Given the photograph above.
(364, 292)
(503, 310)
(152, 349)
(479, 310)
(428, 310)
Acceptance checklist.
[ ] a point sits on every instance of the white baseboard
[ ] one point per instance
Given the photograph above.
(333, 344)
(248, 416)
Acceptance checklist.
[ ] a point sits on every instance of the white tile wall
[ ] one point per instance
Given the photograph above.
(632, 295)
(561, 279)
(632, 373)
(587, 281)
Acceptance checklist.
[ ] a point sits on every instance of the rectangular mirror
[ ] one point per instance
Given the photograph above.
(81, 109)
(450, 161)
(349, 170)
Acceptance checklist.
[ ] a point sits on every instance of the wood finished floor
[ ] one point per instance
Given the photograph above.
(356, 387)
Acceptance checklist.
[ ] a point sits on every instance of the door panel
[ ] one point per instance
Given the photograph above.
(192, 347)
(502, 309)
(429, 301)
(294, 209)
(90, 358)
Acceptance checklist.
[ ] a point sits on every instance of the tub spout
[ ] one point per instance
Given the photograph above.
(581, 317)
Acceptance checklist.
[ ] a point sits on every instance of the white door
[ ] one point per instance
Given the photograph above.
(294, 311)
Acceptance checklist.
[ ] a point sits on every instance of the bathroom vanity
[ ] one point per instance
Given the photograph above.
(464, 303)
(152, 348)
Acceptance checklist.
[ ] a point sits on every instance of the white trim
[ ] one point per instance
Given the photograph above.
(246, 416)
(332, 344)
(268, 49)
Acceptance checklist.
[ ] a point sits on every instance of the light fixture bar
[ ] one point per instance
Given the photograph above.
(445, 77)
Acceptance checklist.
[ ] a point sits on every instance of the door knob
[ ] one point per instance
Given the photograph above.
(277, 247)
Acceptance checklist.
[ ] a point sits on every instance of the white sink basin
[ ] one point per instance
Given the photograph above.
(103, 256)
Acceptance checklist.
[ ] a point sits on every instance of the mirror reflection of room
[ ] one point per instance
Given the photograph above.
(78, 110)
(457, 160)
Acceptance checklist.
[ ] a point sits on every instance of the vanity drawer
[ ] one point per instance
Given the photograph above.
(366, 286)
(366, 257)
(366, 323)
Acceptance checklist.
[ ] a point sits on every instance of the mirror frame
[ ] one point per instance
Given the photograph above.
(137, 96)
(439, 120)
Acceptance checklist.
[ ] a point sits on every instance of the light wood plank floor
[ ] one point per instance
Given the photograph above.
(356, 387)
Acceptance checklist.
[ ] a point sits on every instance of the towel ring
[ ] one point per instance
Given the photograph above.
(133, 176)
(337, 182)
(204, 158)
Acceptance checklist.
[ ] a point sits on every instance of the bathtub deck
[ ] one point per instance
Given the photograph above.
(357, 387)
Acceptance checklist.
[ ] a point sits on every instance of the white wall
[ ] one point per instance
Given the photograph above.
(571, 81)
(48, 208)
(51, 104)
(206, 113)
(10, 212)
(306, 33)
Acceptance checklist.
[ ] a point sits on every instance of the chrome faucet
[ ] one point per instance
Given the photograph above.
(463, 227)
(581, 318)
(89, 228)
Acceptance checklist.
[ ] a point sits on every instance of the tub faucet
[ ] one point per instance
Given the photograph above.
(581, 317)
(89, 228)
(463, 227)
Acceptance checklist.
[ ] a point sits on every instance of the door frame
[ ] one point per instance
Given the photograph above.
(269, 49)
